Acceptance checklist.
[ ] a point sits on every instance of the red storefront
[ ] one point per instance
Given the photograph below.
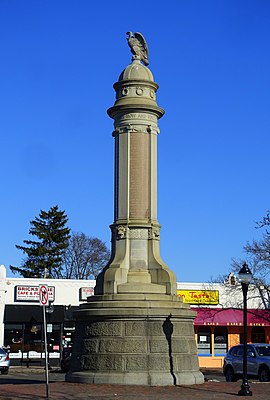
(218, 329)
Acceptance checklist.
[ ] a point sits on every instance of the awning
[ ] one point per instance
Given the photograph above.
(230, 317)
(21, 313)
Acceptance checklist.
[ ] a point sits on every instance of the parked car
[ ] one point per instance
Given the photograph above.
(4, 361)
(65, 360)
(258, 362)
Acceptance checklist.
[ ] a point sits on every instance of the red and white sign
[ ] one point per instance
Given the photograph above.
(43, 295)
(85, 292)
(31, 293)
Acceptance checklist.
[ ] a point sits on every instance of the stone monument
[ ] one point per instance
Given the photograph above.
(135, 330)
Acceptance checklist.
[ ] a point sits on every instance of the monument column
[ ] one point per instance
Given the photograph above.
(136, 264)
(135, 330)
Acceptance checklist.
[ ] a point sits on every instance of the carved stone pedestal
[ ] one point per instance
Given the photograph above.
(135, 339)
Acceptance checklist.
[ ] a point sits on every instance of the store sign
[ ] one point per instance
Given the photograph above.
(199, 296)
(85, 292)
(31, 293)
(223, 324)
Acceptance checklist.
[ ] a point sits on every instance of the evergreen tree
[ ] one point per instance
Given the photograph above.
(45, 255)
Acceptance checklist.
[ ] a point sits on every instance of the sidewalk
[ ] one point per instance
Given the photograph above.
(73, 391)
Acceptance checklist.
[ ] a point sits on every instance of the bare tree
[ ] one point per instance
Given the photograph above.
(258, 259)
(85, 257)
(259, 252)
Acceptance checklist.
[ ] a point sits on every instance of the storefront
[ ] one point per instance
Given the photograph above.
(218, 324)
(22, 315)
(216, 328)
(24, 331)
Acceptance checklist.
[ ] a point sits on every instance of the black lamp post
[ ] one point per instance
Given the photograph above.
(245, 277)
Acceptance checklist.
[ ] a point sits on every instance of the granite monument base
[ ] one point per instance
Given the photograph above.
(135, 339)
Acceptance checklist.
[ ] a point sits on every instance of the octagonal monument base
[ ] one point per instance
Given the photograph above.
(143, 339)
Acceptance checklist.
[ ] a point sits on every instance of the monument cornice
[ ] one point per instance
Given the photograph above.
(114, 111)
(136, 82)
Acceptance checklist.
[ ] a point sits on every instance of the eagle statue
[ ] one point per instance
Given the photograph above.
(138, 46)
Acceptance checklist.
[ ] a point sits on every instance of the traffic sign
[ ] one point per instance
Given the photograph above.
(43, 295)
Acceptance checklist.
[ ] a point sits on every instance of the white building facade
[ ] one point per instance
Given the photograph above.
(22, 329)
(217, 327)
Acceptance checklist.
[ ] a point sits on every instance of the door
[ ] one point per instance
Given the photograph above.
(252, 363)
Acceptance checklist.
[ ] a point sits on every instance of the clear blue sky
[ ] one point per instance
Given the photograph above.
(59, 60)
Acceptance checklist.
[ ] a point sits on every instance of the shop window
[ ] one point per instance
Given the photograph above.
(258, 334)
(68, 334)
(33, 337)
(53, 338)
(30, 337)
(204, 341)
(13, 337)
(24, 337)
(220, 341)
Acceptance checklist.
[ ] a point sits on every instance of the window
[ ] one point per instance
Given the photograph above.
(258, 334)
(33, 336)
(68, 334)
(220, 341)
(239, 352)
(263, 350)
(30, 337)
(53, 338)
(234, 350)
(14, 337)
(204, 341)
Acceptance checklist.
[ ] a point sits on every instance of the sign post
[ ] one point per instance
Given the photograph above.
(43, 301)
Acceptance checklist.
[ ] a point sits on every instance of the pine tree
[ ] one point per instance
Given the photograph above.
(45, 255)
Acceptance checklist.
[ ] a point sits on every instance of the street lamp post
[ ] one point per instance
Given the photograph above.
(245, 277)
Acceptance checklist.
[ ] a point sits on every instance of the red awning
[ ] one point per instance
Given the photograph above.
(230, 317)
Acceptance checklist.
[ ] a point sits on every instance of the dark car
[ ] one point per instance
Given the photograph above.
(258, 362)
(4, 361)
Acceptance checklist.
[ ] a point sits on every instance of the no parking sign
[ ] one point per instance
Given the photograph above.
(43, 294)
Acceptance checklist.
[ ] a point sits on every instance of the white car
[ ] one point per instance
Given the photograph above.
(4, 361)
